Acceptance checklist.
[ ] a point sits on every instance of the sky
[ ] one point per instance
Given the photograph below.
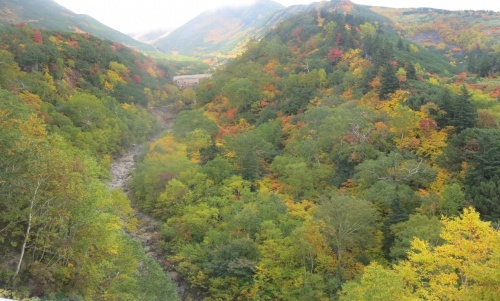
(133, 16)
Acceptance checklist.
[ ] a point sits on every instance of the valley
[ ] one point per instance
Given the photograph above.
(330, 151)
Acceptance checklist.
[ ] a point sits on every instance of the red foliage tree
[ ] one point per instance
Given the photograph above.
(334, 54)
(37, 36)
(137, 79)
(427, 126)
(297, 32)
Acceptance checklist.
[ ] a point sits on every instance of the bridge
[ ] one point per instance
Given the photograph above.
(189, 81)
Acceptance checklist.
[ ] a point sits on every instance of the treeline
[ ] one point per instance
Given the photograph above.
(332, 160)
(65, 112)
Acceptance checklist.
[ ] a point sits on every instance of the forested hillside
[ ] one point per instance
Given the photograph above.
(468, 38)
(47, 14)
(69, 103)
(333, 160)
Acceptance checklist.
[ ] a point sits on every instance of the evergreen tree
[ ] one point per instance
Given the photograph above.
(400, 44)
(480, 150)
(465, 113)
(460, 111)
(411, 72)
(398, 214)
(390, 81)
(383, 53)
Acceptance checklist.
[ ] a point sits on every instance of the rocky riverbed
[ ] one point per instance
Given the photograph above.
(148, 230)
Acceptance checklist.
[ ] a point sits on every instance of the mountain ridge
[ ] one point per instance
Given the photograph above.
(228, 38)
(50, 15)
(203, 33)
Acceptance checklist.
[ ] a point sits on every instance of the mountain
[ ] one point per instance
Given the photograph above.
(207, 36)
(469, 38)
(463, 36)
(69, 104)
(334, 159)
(50, 15)
(220, 32)
(152, 36)
(323, 150)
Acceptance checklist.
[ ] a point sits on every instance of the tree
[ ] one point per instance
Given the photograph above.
(411, 72)
(417, 226)
(334, 55)
(218, 169)
(25, 174)
(322, 78)
(452, 200)
(390, 81)
(300, 178)
(378, 284)
(476, 152)
(465, 267)
(460, 110)
(350, 224)
(464, 111)
(188, 121)
(400, 44)
(247, 151)
(395, 167)
(291, 266)
(37, 36)
(403, 123)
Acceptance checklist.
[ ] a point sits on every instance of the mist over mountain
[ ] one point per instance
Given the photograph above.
(443, 31)
(151, 36)
(50, 15)
(220, 31)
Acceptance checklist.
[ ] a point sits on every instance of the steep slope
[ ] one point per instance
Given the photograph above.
(469, 38)
(206, 36)
(70, 103)
(50, 15)
(220, 32)
(325, 146)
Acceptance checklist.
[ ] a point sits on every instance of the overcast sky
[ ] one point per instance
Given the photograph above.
(131, 16)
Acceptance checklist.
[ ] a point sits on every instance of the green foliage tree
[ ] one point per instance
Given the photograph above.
(350, 224)
(417, 226)
(252, 151)
(452, 200)
(188, 121)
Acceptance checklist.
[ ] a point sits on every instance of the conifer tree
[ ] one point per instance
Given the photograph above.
(390, 82)
(465, 113)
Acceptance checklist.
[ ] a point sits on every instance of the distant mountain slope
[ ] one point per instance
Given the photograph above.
(152, 36)
(466, 37)
(50, 15)
(223, 33)
(465, 29)
(220, 31)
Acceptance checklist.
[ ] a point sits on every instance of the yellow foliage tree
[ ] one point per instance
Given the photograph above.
(465, 267)
(167, 145)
